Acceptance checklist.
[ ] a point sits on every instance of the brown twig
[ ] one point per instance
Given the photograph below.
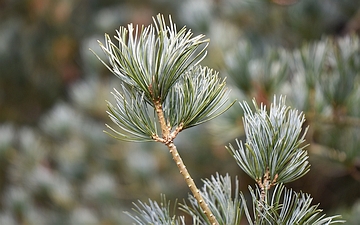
(167, 139)
(265, 184)
(165, 129)
(191, 184)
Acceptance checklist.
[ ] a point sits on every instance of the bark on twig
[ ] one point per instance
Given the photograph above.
(167, 139)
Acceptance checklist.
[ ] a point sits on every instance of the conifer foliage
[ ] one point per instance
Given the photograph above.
(165, 90)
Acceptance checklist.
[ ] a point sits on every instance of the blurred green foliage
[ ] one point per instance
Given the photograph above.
(58, 167)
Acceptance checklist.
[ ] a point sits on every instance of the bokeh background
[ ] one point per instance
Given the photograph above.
(58, 167)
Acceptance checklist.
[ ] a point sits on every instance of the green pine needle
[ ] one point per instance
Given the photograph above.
(153, 58)
(198, 97)
(273, 142)
(154, 213)
(133, 115)
(286, 206)
(224, 202)
(158, 65)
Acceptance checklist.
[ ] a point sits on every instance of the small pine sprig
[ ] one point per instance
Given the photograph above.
(224, 201)
(274, 151)
(164, 90)
(153, 58)
(154, 213)
(285, 206)
(274, 147)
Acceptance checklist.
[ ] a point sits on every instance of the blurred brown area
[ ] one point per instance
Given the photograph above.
(56, 164)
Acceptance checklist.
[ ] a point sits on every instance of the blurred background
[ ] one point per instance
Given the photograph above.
(58, 167)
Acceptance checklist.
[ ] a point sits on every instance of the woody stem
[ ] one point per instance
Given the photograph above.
(265, 184)
(167, 139)
(191, 184)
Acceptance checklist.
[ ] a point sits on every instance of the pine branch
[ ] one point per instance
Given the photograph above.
(153, 58)
(284, 206)
(158, 69)
(273, 143)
